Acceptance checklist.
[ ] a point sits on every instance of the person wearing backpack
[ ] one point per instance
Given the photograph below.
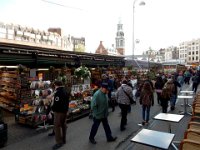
(172, 86)
(146, 100)
(164, 99)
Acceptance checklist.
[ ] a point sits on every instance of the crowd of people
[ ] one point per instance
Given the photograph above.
(130, 89)
(111, 92)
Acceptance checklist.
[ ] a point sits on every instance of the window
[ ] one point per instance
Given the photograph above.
(189, 58)
(197, 58)
(193, 53)
(197, 52)
(193, 58)
(121, 42)
(197, 47)
(189, 53)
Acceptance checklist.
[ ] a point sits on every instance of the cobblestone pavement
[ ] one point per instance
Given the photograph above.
(26, 138)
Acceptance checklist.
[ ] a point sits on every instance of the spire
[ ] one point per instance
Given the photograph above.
(120, 40)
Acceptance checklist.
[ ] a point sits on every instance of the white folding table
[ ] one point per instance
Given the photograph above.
(185, 97)
(187, 93)
(169, 118)
(156, 139)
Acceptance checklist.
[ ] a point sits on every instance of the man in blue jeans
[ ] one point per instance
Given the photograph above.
(99, 107)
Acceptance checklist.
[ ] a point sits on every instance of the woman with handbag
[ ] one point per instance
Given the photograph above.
(124, 98)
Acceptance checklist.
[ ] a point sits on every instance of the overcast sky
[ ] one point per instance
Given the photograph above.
(158, 24)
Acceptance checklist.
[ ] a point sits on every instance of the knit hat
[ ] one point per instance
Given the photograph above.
(104, 85)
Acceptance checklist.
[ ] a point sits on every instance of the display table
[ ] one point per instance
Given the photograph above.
(187, 93)
(185, 97)
(154, 139)
(169, 118)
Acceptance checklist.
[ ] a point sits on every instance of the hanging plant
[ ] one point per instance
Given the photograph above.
(134, 72)
(82, 72)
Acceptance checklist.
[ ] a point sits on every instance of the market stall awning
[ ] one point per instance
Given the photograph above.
(34, 56)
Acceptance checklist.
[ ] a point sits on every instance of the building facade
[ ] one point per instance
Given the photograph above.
(193, 49)
(78, 44)
(119, 39)
(101, 49)
(183, 51)
(189, 52)
(52, 39)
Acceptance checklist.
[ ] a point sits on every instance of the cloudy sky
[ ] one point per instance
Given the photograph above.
(158, 24)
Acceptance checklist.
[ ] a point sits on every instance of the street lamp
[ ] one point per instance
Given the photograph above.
(149, 54)
(142, 3)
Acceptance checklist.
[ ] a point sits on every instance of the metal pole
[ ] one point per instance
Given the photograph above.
(133, 28)
(148, 63)
(141, 3)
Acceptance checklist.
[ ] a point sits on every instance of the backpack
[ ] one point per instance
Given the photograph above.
(170, 86)
(146, 99)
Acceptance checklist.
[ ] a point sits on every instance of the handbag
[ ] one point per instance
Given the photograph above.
(130, 98)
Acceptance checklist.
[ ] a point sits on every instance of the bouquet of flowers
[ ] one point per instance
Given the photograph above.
(82, 72)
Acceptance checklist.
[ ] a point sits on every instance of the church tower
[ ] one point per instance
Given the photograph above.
(120, 40)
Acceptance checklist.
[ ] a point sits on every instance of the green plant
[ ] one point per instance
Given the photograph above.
(151, 75)
(134, 72)
(82, 72)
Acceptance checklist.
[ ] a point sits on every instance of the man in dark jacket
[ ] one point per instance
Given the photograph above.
(195, 83)
(174, 93)
(159, 84)
(60, 108)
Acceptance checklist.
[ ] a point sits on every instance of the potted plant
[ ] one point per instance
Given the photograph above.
(82, 72)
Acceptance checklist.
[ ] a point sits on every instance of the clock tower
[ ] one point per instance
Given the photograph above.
(120, 41)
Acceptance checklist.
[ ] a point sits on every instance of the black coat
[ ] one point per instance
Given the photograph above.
(61, 100)
(159, 85)
(164, 101)
(176, 84)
